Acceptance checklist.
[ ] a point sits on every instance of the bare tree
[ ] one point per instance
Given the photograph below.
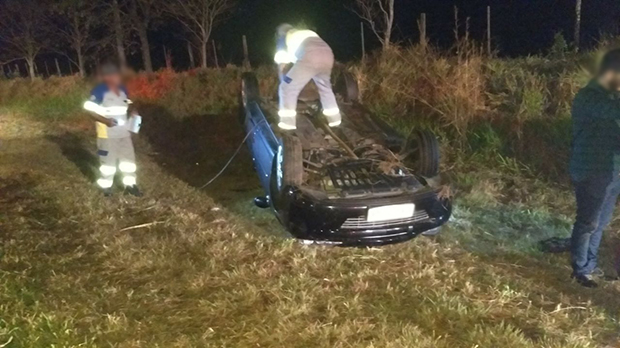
(23, 30)
(143, 13)
(200, 17)
(379, 14)
(577, 24)
(78, 22)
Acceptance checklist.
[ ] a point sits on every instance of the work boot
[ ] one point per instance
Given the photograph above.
(333, 117)
(287, 120)
(107, 192)
(133, 190)
(586, 280)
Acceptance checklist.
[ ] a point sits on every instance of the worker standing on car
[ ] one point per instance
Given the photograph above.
(595, 165)
(313, 59)
(108, 105)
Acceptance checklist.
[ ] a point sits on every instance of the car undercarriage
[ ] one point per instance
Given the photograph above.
(360, 183)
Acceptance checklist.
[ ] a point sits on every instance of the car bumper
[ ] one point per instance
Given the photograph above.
(344, 221)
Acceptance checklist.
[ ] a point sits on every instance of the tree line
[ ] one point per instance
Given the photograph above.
(83, 30)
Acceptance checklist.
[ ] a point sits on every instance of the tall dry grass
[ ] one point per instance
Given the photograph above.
(516, 109)
(424, 85)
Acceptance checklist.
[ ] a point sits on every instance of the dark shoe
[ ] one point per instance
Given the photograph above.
(586, 280)
(262, 202)
(133, 190)
(555, 245)
(107, 192)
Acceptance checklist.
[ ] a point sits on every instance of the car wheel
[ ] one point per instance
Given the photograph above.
(423, 153)
(347, 88)
(289, 163)
(250, 92)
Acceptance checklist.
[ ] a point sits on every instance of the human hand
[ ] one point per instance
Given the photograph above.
(110, 122)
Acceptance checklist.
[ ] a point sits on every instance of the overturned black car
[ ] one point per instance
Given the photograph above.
(361, 183)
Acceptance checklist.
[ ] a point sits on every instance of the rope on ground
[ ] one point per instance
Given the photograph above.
(232, 157)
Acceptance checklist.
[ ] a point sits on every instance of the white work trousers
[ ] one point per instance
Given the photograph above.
(112, 153)
(315, 64)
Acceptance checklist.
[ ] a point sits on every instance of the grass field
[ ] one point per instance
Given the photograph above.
(191, 267)
(184, 267)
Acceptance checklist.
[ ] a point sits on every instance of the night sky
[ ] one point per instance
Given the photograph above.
(520, 27)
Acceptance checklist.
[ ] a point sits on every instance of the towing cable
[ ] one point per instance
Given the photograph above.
(232, 157)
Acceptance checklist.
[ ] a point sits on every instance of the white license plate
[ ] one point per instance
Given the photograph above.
(390, 212)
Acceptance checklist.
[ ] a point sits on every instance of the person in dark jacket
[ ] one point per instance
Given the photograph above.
(595, 165)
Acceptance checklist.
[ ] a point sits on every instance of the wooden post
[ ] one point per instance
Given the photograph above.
(489, 30)
(70, 68)
(168, 58)
(456, 24)
(19, 73)
(246, 59)
(456, 30)
(363, 41)
(467, 29)
(191, 55)
(577, 24)
(57, 67)
(47, 69)
(217, 65)
(422, 28)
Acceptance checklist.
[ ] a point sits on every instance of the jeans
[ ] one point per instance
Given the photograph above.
(596, 199)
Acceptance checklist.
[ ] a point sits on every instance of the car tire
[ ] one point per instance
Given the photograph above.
(249, 87)
(287, 171)
(290, 162)
(250, 92)
(347, 87)
(423, 152)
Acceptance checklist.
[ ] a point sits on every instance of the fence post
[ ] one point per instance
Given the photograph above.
(47, 70)
(489, 30)
(363, 40)
(246, 59)
(422, 28)
(191, 55)
(168, 58)
(467, 29)
(456, 29)
(57, 67)
(577, 24)
(217, 65)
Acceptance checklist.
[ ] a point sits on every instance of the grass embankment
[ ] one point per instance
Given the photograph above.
(177, 268)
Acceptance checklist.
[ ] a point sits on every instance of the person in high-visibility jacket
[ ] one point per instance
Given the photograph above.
(109, 105)
(313, 59)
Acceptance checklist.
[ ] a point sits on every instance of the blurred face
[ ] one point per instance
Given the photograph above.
(615, 81)
(112, 80)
